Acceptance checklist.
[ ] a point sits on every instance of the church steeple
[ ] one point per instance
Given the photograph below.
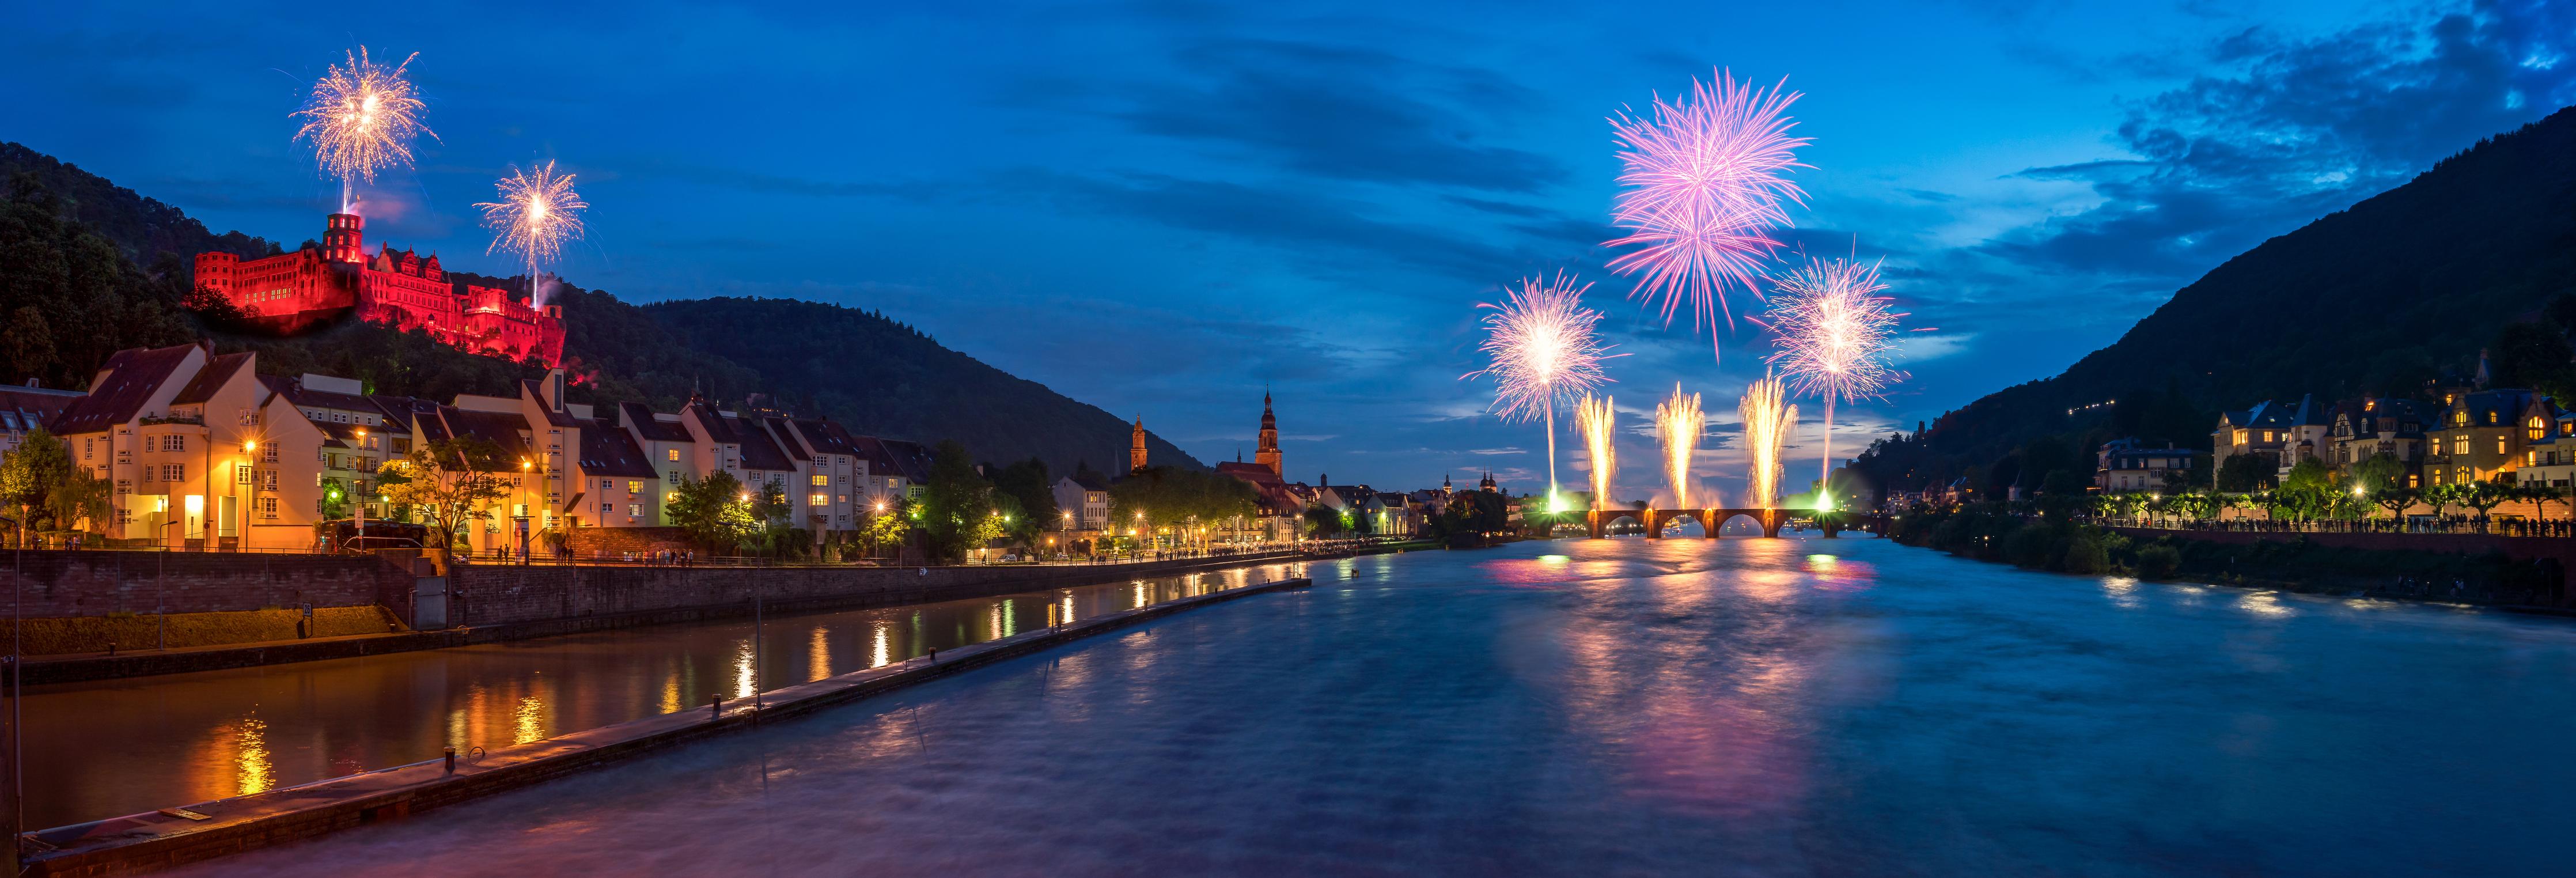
(1136, 447)
(1268, 454)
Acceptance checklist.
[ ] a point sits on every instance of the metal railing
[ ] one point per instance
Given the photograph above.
(2507, 527)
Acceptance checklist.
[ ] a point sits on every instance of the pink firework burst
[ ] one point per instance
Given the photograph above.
(1706, 181)
(1834, 331)
(1835, 334)
(1544, 348)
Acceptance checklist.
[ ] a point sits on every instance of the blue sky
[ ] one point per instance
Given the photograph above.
(1159, 208)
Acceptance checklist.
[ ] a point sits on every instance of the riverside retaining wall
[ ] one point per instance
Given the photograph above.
(2518, 548)
(515, 601)
(62, 582)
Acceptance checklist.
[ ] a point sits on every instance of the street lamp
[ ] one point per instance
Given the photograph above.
(241, 514)
(526, 499)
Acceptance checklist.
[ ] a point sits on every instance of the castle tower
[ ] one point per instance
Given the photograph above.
(1136, 447)
(1268, 454)
(344, 238)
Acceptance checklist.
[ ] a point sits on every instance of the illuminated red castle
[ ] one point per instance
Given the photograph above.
(292, 292)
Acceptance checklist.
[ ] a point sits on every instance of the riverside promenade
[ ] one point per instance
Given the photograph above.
(195, 832)
(493, 603)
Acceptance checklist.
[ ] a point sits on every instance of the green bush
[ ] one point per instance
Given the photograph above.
(2033, 545)
(2159, 561)
(2087, 555)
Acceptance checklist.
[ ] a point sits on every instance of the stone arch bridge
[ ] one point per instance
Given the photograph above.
(1711, 521)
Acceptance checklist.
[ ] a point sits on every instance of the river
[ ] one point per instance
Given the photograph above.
(114, 747)
(1748, 707)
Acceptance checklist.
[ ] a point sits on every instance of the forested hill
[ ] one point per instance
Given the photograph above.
(865, 369)
(87, 267)
(2378, 298)
(143, 228)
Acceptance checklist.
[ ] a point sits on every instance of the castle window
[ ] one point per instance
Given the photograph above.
(2500, 449)
(2536, 429)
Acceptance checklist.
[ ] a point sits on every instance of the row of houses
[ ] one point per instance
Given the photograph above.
(2460, 435)
(204, 451)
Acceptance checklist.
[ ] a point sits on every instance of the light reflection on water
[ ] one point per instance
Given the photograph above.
(97, 750)
(251, 769)
(1678, 709)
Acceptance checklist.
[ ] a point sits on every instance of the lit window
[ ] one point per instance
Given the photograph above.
(671, 497)
(818, 499)
(634, 486)
(2500, 449)
(634, 509)
(672, 454)
(820, 480)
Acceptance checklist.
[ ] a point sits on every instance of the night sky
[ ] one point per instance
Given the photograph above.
(1159, 208)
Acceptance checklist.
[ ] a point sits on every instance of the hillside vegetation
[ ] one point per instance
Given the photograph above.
(88, 267)
(2380, 298)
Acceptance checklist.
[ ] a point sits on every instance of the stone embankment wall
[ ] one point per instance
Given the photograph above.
(2518, 548)
(582, 597)
(54, 583)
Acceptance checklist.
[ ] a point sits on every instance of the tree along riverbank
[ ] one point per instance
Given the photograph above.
(2291, 562)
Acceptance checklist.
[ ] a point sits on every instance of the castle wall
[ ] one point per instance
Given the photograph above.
(292, 291)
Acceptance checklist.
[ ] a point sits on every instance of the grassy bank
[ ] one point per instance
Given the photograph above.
(80, 634)
(2292, 563)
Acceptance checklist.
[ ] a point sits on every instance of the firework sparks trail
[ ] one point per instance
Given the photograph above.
(1706, 181)
(362, 118)
(537, 213)
(1767, 419)
(1595, 418)
(1678, 424)
(1545, 350)
(1835, 334)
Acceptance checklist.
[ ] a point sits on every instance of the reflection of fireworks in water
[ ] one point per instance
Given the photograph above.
(362, 118)
(1833, 336)
(1766, 421)
(1706, 181)
(1678, 425)
(537, 213)
(1594, 417)
(1544, 351)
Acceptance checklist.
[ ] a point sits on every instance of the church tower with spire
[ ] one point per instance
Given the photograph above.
(1136, 447)
(1268, 454)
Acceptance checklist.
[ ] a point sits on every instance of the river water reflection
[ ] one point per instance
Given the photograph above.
(108, 748)
(1783, 707)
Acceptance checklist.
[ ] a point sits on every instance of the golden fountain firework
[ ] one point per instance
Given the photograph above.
(362, 118)
(1766, 421)
(1678, 424)
(1594, 417)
